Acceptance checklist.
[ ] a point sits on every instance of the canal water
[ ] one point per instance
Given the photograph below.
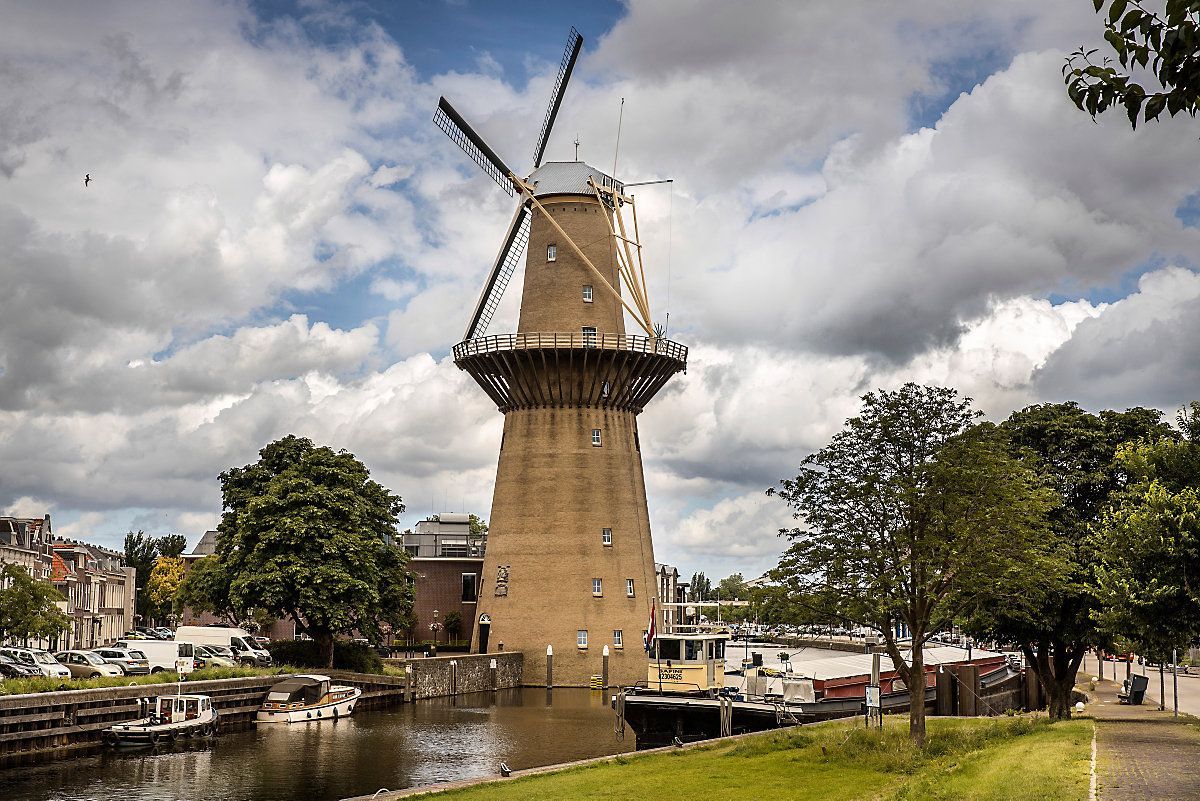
(404, 746)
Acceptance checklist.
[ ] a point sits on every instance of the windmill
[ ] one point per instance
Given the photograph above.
(569, 560)
(607, 189)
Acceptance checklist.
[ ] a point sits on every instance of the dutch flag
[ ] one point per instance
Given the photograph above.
(651, 633)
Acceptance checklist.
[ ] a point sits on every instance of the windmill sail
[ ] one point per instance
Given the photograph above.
(574, 44)
(502, 269)
(455, 127)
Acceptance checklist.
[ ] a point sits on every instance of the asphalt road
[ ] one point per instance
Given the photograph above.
(1189, 685)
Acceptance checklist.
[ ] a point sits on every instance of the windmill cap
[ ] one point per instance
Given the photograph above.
(569, 178)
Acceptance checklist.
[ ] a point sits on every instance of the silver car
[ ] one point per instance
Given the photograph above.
(131, 662)
(37, 658)
(86, 665)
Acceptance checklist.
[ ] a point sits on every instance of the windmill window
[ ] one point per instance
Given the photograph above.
(618, 638)
(606, 536)
(581, 638)
(597, 587)
(596, 437)
(551, 252)
(629, 587)
(589, 336)
(637, 444)
(587, 294)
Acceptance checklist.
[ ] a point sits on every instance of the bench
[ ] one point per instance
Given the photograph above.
(1133, 690)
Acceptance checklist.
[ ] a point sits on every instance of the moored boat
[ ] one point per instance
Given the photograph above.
(305, 698)
(171, 717)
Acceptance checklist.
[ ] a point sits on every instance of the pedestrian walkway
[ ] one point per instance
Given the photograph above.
(1142, 753)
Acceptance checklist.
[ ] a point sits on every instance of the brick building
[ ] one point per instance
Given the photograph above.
(446, 560)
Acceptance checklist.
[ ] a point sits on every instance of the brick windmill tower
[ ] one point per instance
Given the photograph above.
(569, 562)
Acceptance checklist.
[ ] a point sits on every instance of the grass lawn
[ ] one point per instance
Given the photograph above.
(987, 758)
(47, 684)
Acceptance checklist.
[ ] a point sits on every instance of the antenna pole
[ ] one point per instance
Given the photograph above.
(577, 147)
(617, 149)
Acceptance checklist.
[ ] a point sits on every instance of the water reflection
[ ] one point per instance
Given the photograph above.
(415, 744)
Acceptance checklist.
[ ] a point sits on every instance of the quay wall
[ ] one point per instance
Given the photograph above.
(41, 726)
(436, 676)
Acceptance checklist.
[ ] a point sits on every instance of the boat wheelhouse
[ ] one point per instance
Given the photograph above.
(307, 697)
(688, 662)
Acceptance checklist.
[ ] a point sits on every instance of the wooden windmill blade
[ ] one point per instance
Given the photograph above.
(565, 67)
(502, 270)
(463, 135)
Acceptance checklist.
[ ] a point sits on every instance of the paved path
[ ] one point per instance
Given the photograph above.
(1189, 684)
(1143, 753)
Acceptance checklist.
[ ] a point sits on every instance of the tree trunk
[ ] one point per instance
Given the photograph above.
(916, 695)
(325, 644)
(1056, 665)
(1058, 696)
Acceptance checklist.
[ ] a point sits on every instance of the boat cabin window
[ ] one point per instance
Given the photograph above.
(693, 650)
(193, 708)
(668, 649)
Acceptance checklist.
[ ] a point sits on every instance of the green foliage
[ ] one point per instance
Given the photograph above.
(353, 656)
(171, 545)
(205, 588)
(732, 587)
(1161, 42)
(700, 588)
(28, 606)
(46, 684)
(305, 535)
(915, 513)
(141, 551)
(163, 585)
(1149, 542)
(454, 623)
(1076, 453)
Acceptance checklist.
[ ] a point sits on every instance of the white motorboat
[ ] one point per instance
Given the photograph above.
(171, 717)
(306, 698)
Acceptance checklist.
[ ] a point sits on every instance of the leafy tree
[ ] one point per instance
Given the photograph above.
(205, 588)
(163, 585)
(1149, 577)
(701, 587)
(732, 587)
(1076, 452)
(479, 526)
(140, 552)
(453, 624)
(1162, 42)
(172, 545)
(28, 607)
(305, 534)
(911, 513)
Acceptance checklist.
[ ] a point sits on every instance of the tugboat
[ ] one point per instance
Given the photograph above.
(305, 698)
(170, 718)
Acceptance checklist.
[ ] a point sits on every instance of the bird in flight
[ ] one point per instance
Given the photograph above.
(87, 179)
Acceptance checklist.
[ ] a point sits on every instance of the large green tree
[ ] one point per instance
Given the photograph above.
(141, 550)
(911, 513)
(171, 545)
(1156, 42)
(28, 607)
(1076, 453)
(700, 587)
(305, 534)
(1149, 576)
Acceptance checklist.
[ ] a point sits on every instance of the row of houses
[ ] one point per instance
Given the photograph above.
(98, 588)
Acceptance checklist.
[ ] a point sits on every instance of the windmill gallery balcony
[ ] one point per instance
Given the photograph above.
(540, 370)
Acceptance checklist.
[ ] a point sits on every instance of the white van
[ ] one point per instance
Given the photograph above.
(247, 651)
(44, 661)
(161, 654)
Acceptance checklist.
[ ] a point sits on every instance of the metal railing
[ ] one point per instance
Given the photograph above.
(539, 341)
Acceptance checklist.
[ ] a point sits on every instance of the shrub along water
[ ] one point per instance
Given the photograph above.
(355, 656)
(48, 684)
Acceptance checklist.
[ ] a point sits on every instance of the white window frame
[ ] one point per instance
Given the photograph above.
(606, 536)
(552, 252)
(581, 639)
(597, 587)
(629, 588)
(618, 638)
(587, 293)
(589, 336)
(597, 438)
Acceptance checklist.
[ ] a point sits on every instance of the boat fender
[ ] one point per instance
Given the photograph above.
(318, 713)
(154, 737)
(309, 714)
(335, 713)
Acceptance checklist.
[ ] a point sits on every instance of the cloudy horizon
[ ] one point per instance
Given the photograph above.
(278, 240)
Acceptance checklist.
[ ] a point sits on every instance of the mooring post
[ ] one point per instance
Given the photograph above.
(604, 670)
(495, 681)
(408, 682)
(454, 677)
(1175, 678)
(549, 666)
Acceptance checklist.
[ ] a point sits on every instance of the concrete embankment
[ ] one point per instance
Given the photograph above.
(43, 726)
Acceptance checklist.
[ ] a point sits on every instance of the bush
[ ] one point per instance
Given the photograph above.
(358, 657)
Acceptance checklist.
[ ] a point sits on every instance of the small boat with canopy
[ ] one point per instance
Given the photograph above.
(169, 718)
(307, 697)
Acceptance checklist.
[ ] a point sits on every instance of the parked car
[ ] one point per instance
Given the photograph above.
(216, 656)
(161, 655)
(151, 633)
(12, 669)
(164, 633)
(131, 662)
(237, 640)
(263, 642)
(86, 665)
(134, 635)
(44, 661)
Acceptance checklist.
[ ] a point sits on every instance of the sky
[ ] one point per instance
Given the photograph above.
(278, 240)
